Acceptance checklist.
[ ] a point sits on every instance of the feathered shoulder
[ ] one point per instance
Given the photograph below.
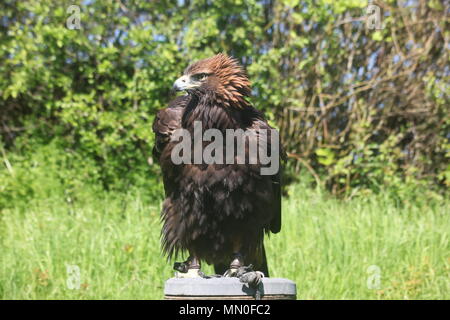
(166, 121)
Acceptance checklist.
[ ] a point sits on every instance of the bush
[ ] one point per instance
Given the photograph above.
(360, 109)
(49, 172)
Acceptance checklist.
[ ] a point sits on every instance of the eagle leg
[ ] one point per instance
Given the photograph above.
(188, 269)
(236, 263)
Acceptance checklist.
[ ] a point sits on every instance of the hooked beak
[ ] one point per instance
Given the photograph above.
(183, 83)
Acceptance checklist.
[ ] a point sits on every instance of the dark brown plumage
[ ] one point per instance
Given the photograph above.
(217, 210)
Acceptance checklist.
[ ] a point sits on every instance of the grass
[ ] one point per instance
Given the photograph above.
(326, 246)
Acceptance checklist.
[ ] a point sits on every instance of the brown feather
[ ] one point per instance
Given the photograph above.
(210, 207)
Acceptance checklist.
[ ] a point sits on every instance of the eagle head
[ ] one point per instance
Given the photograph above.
(220, 77)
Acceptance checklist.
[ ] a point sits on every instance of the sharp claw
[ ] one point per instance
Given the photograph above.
(259, 276)
(231, 273)
(181, 267)
(246, 274)
(188, 269)
(252, 277)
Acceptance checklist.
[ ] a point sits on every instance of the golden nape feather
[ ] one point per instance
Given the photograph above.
(231, 84)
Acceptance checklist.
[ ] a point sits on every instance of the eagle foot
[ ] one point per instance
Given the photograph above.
(190, 273)
(188, 269)
(181, 267)
(238, 262)
(231, 272)
(246, 274)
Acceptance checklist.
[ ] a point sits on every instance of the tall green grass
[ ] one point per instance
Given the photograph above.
(326, 246)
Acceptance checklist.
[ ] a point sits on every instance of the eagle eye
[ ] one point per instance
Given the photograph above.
(199, 76)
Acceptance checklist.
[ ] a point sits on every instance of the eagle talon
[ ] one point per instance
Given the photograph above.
(188, 269)
(191, 273)
(253, 278)
(246, 274)
(181, 267)
(232, 272)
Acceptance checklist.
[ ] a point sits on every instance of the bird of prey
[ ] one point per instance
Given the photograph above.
(216, 212)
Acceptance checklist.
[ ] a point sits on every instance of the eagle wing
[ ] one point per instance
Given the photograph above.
(259, 123)
(192, 190)
(166, 121)
(275, 223)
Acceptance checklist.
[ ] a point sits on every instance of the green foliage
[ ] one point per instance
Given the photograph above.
(44, 173)
(95, 89)
(361, 109)
(366, 112)
(49, 172)
(114, 239)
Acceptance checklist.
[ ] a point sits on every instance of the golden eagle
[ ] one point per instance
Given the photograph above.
(217, 212)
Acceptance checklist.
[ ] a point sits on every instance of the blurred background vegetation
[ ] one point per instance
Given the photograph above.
(363, 113)
(359, 109)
